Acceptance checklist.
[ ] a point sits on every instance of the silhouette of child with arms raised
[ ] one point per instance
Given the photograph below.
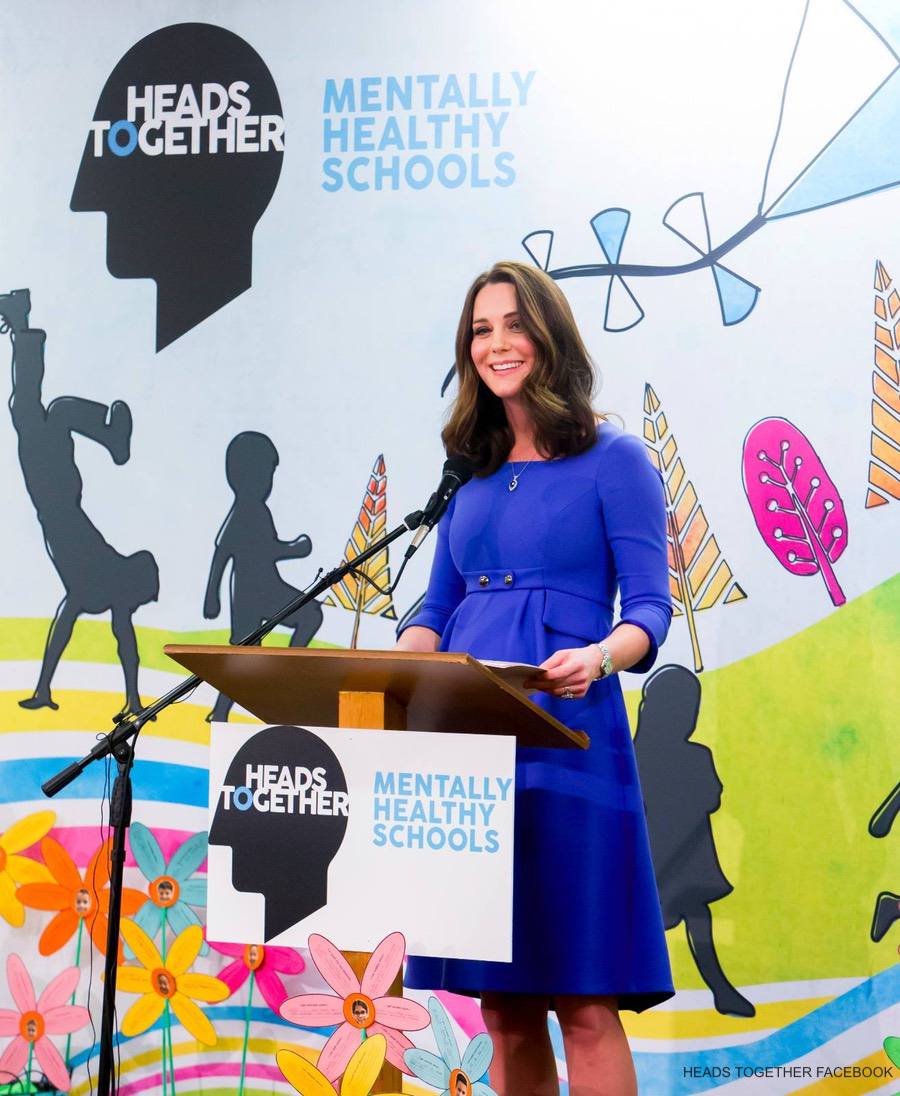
(249, 541)
(681, 790)
(95, 576)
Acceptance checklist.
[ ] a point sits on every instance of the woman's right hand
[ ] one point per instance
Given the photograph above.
(417, 638)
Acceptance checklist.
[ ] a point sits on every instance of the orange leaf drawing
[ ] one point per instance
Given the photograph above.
(354, 592)
(884, 467)
(699, 575)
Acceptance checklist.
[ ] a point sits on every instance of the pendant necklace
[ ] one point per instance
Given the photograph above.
(514, 482)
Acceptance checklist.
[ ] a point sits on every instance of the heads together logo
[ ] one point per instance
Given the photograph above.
(183, 156)
(285, 790)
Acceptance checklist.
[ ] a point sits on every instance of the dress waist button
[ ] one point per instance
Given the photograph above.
(507, 579)
(483, 581)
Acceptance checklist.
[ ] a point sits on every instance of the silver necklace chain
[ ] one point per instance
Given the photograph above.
(514, 482)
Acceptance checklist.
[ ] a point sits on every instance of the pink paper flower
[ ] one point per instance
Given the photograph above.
(51, 1014)
(267, 962)
(357, 1006)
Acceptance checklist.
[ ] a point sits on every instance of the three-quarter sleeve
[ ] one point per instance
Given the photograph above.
(634, 515)
(446, 586)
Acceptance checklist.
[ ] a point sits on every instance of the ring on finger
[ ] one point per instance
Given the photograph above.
(567, 694)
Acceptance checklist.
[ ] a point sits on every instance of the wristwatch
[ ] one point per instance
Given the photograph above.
(606, 663)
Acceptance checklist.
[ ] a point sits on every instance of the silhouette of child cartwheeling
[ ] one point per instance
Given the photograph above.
(681, 790)
(95, 576)
(248, 539)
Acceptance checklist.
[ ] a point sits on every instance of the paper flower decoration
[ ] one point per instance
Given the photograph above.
(359, 1076)
(450, 1073)
(76, 899)
(171, 981)
(356, 1005)
(16, 870)
(266, 963)
(171, 890)
(32, 1021)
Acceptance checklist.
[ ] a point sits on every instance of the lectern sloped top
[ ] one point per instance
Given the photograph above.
(440, 691)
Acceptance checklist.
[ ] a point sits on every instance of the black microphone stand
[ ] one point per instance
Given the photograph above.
(121, 743)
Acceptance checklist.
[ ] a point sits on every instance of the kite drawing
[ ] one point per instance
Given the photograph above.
(834, 141)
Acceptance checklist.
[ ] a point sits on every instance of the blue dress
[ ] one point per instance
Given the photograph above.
(586, 914)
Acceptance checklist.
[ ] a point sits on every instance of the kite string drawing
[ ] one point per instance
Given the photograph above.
(826, 150)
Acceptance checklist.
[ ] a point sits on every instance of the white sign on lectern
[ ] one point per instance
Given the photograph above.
(355, 834)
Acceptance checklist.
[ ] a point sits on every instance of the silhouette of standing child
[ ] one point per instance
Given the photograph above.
(95, 576)
(681, 790)
(249, 541)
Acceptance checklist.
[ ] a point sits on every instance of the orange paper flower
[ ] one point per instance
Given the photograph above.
(172, 981)
(75, 898)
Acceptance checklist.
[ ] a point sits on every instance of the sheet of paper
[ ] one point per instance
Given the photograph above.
(514, 673)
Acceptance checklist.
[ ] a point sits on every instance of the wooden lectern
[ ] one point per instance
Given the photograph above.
(381, 690)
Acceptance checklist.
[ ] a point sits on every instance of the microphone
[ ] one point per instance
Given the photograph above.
(456, 472)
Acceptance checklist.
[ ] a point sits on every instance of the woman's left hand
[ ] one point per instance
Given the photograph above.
(568, 673)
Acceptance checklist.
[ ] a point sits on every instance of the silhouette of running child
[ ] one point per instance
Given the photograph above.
(887, 904)
(681, 790)
(249, 541)
(95, 576)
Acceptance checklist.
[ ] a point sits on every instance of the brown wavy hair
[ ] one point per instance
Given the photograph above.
(556, 394)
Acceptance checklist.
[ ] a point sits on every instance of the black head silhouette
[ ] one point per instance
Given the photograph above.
(283, 854)
(670, 705)
(183, 157)
(250, 463)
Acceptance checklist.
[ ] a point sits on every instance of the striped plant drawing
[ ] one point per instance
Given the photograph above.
(796, 506)
(699, 575)
(884, 467)
(369, 594)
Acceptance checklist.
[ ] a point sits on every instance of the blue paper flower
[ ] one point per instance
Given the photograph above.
(444, 1072)
(171, 890)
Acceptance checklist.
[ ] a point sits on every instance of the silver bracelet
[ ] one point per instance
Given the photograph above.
(606, 663)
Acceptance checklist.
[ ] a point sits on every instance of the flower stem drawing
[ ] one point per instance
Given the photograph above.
(247, 1016)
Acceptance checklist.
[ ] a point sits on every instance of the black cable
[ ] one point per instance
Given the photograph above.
(104, 833)
(386, 591)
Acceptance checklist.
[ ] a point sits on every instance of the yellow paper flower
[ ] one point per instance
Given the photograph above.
(172, 981)
(16, 870)
(359, 1076)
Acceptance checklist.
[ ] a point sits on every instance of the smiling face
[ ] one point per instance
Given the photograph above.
(360, 1012)
(502, 352)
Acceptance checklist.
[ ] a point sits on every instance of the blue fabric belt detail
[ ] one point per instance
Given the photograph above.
(537, 775)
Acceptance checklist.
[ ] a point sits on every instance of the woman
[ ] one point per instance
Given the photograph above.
(562, 512)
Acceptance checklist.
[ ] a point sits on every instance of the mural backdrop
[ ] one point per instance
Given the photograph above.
(235, 241)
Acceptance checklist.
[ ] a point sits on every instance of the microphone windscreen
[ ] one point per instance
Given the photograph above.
(461, 467)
